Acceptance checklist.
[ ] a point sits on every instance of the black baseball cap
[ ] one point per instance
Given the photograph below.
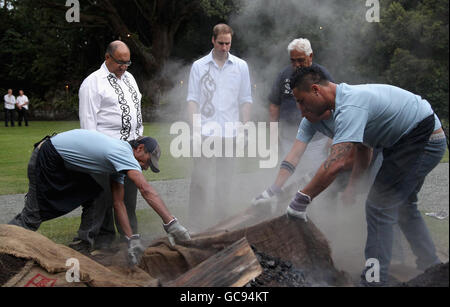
(151, 146)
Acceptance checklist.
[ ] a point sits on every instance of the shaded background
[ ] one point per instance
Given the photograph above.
(49, 57)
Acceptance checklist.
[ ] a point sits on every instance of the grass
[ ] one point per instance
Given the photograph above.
(62, 230)
(17, 144)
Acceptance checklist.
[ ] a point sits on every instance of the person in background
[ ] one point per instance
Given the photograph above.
(220, 92)
(283, 107)
(110, 103)
(10, 102)
(22, 103)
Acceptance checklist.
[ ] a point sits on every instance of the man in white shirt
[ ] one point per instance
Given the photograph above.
(10, 102)
(219, 90)
(110, 102)
(22, 108)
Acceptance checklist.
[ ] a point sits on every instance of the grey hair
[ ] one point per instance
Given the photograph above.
(301, 45)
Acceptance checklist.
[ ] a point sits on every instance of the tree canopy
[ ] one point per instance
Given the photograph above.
(43, 53)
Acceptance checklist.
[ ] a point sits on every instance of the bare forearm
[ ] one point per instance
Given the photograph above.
(328, 171)
(293, 157)
(320, 182)
(119, 207)
(150, 195)
(121, 212)
(157, 204)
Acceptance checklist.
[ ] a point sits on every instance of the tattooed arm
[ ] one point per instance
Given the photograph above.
(336, 161)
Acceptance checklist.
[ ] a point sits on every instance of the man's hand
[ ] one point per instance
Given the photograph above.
(297, 207)
(135, 249)
(176, 232)
(268, 196)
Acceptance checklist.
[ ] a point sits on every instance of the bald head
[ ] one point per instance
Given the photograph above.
(117, 58)
(113, 46)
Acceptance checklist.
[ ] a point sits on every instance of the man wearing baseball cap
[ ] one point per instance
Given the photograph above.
(60, 179)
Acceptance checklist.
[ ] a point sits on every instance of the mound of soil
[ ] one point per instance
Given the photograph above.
(435, 276)
(9, 266)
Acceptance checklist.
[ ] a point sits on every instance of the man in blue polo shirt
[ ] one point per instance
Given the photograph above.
(59, 174)
(358, 117)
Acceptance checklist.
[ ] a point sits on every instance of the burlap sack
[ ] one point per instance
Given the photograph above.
(288, 239)
(50, 262)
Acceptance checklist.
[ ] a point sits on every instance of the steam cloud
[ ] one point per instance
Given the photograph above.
(263, 29)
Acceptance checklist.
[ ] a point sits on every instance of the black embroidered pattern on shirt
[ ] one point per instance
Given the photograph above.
(208, 88)
(126, 117)
(137, 105)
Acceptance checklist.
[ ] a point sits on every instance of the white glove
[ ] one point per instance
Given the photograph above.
(268, 196)
(297, 207)
(176, 232)
(135, 249)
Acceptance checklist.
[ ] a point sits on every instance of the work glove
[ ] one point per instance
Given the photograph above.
(297, 207)
(269, 195)
(176, 232)
(135, 249)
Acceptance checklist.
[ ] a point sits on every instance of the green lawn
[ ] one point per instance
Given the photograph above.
(63, 230)
(17, 144)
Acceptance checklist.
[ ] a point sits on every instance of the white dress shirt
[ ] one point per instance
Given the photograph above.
(219, 92)
(21, 100)
(111, 105)
(10, 101)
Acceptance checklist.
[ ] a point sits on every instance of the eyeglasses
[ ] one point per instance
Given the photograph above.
(128, 63)
(300, 60)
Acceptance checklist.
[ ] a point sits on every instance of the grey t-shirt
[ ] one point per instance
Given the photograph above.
(281, 94)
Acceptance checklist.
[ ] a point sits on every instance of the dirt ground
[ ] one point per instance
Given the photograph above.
(436, 276)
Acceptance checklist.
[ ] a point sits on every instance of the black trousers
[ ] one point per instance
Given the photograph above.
(22, 115)
(9, 117)
(53, 190)
(97, 219)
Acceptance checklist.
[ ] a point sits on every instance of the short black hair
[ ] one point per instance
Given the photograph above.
(304, 77)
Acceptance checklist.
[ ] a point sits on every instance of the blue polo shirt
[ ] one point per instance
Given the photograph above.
(377, 115)
(90, 151)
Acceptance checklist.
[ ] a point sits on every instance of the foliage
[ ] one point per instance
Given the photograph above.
(41, 52)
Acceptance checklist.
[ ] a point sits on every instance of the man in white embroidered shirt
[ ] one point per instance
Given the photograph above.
(219, 90)
(110, 102)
